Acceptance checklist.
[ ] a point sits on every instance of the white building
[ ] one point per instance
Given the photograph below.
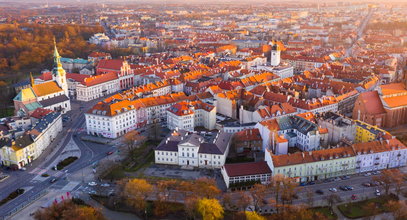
(378, 155)
(188, 115)
(299, 132)
(97, 86)
(192, 150)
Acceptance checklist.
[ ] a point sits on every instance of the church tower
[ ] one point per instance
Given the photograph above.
(275, 54)
(58, 73)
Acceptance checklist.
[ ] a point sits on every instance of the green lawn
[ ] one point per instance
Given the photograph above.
(357, 209)
(325, 211)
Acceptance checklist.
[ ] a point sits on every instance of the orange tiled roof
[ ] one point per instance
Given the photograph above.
(46, 88)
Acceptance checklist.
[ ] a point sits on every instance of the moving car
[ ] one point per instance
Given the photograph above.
(377, 192)
(354, 197)
(53, 180)
(92, 184)
(109, 153)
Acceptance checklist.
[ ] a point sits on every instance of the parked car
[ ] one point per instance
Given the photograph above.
(367, 174)
(343, 188)
(303, 184)
(53, 180)
(92, 184)
(349, 187)
(311, 183)
(377, 192)
(105, 184)
(354, 197)
(333, 190)
(320, 192)
(23, 169)
(366, 184)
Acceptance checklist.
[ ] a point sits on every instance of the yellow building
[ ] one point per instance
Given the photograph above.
(367, 133)
(18, 153)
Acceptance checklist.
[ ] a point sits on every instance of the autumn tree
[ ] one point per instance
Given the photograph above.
(397, 208)
(310, 197)
(332, 199)
(371, 210)
(387, 178)
(258, 193)
(136, 191)
(253, 216)
(210, 209)
(205, 188)
(104, 167)
(132, 139)
(242, 200)
(68, 210)
(190, 204)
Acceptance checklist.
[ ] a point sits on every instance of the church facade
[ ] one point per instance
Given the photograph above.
(51, 95)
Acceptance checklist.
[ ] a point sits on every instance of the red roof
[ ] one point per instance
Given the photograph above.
(372, 102)
(77, 77)
(46, 76)
(94, 80)
(110, 64)
(245, 169)
(40, 113)
(99, 54)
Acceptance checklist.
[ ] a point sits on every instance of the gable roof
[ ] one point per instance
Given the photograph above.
(46, 88)
(372, 103)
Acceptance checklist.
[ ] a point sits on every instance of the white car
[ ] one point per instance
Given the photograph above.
(377, 192)
(92, 184)
(367, 174)
(105, 185)
(333, 190)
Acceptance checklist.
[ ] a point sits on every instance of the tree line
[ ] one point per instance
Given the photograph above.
(25, 46)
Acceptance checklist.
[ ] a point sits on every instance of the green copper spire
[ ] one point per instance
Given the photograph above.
(57, 57)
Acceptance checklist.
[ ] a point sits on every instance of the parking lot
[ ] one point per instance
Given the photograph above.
(176, 172)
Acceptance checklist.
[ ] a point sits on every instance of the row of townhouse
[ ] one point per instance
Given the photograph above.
(29, 146)
(193, 150)
(112, 118)
(319, 164)
(322, 164)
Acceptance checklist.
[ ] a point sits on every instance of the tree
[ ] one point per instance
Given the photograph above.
(387, 178)
(190, 204)
(397, 208)
(332, 199)
(205, 188)
(258, 193)
(137, 191)
(132, 139)
(104, 167)
(210, 209)
(242, 200)
(275, 186)
(253, 216)
(310, 197)
(371, 210)
(68, 210)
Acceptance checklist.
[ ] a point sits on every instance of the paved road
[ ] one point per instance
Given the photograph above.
(361, 30)
(90, 153)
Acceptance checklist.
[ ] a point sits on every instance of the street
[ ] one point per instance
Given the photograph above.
(29, 179)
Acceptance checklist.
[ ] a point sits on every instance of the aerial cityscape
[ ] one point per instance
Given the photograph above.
(250, 109)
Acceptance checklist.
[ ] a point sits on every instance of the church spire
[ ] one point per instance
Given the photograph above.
(57, 57)
(31, 79)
